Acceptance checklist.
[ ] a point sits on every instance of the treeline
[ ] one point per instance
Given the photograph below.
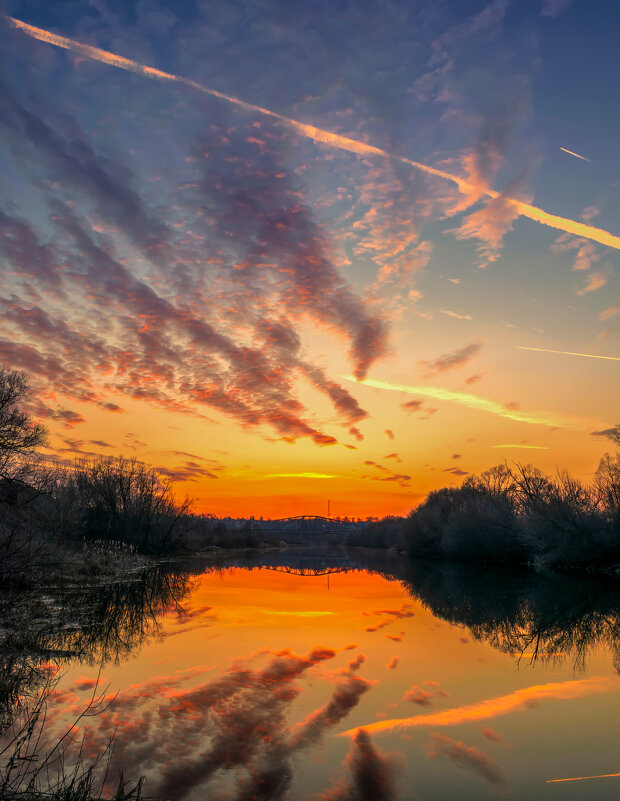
(93, 514)
(513, 515)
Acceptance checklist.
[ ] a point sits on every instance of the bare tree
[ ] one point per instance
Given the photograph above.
(19, 435)
(614, 434)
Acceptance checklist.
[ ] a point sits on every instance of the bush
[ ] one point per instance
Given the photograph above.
(127, 501)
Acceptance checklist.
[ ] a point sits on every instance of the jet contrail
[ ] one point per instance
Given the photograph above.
(466, 399)
(570, 353)
(527, 447)
(583, 778)
(519, 700)
(576, 155)
(316, 134)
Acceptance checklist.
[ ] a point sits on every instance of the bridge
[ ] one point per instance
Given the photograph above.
(307, 528)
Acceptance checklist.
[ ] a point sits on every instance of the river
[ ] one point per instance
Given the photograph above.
(297, 677)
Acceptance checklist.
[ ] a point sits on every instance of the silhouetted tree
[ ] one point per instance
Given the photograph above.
(614, 434)
(19, 435)
(125, 500)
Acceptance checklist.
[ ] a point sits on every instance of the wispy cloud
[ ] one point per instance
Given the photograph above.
(466, 757)
(456, 315)
(612, 311)
(318, 134)
(453, 360)
(523, 698)
(553, 8)
(471, 401)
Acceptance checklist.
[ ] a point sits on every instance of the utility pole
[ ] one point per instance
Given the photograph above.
(328, 508)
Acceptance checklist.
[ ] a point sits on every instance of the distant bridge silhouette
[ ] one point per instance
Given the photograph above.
(309, 524)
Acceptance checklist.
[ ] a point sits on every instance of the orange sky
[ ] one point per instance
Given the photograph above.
(283, 291)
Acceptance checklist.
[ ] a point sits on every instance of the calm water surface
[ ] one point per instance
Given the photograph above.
(442, 683)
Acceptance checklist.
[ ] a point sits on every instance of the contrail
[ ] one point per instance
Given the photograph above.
(301, 475)
(576, 155)
(316, 134)
(528, 447)
(466, 399)
(518, 700)
(570, 353)
(583, 778)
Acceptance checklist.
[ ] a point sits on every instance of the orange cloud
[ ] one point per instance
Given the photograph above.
(610, 312)
(595, 281)
(494, 707)
(472, 401)
(328, 137)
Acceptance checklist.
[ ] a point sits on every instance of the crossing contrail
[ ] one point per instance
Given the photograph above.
(316, 134)
(570, 353)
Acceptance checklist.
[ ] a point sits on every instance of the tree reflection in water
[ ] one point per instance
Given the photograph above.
(548, 616)
(92, 623)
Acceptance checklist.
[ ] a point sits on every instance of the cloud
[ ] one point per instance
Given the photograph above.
(332, 139)
(393, 663)
(471, 401)
(238, 719)
(489, 224)
(586, 251)
(466, 757)
(386, 474)
(418, 696)
(494, 737)
(372, 774)
(553, 8)
(452, 361)
(413, 405)
(389, 433)
(189, 471)
(346, 697)
(473, 379)
(612, 311)
(594, 281)
(456, 315)
(456, 471)
(524, 698)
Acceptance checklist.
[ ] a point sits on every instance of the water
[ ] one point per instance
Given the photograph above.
(255, 681)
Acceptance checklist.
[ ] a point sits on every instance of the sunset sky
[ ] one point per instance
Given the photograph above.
(297, 251)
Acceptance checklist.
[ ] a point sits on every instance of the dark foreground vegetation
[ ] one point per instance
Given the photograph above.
(95, 516)
(93, 623)
(513, 515)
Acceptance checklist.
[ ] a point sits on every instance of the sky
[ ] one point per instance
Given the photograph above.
(292, 253)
